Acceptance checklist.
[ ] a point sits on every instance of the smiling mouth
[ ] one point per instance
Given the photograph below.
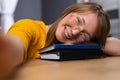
(68, 34)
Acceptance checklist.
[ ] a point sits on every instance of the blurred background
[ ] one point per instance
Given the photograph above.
(49, 11)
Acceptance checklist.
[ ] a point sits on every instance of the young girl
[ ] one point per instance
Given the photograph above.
(78, 24)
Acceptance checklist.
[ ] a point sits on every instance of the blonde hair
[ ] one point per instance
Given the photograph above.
(103, 22)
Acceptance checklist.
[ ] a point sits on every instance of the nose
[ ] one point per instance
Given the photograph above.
(77, 30)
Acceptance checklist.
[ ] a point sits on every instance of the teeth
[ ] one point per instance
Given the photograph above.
(66, 33)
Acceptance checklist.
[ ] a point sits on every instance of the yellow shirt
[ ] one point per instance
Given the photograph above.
(33, 35)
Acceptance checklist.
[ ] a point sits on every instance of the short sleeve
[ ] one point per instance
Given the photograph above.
(32, 33)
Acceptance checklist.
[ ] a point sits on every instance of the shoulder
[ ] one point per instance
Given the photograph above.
(28, 22)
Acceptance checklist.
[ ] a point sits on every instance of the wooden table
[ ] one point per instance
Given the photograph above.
(92, 69)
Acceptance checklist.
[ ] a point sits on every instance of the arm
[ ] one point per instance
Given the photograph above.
(23, 39)
(11, 54)
(112, 46)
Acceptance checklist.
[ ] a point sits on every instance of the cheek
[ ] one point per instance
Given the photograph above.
(58, 34)
(59, 38)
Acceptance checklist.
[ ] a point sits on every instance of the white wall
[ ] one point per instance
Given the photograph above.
(115, 23)
(28, 9)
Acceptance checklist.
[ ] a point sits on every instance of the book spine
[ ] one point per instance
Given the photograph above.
(59, 46)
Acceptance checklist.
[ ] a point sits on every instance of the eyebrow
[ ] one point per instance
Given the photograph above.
(78, 21)
(83, 21)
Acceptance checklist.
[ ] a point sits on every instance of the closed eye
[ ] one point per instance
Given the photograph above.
(85, 36)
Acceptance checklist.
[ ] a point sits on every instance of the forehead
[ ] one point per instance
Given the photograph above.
(91, 21)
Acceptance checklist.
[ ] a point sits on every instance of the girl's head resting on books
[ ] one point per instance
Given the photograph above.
(79, 23)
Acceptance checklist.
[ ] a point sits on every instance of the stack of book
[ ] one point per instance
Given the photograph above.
(63, 52)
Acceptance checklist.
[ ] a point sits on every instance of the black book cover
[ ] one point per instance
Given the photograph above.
(67, 54)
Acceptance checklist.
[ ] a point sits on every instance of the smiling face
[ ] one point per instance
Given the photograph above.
(79, 23)
(76, 28)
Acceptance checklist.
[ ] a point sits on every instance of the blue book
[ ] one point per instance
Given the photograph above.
(62, 52)
(69, 47)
